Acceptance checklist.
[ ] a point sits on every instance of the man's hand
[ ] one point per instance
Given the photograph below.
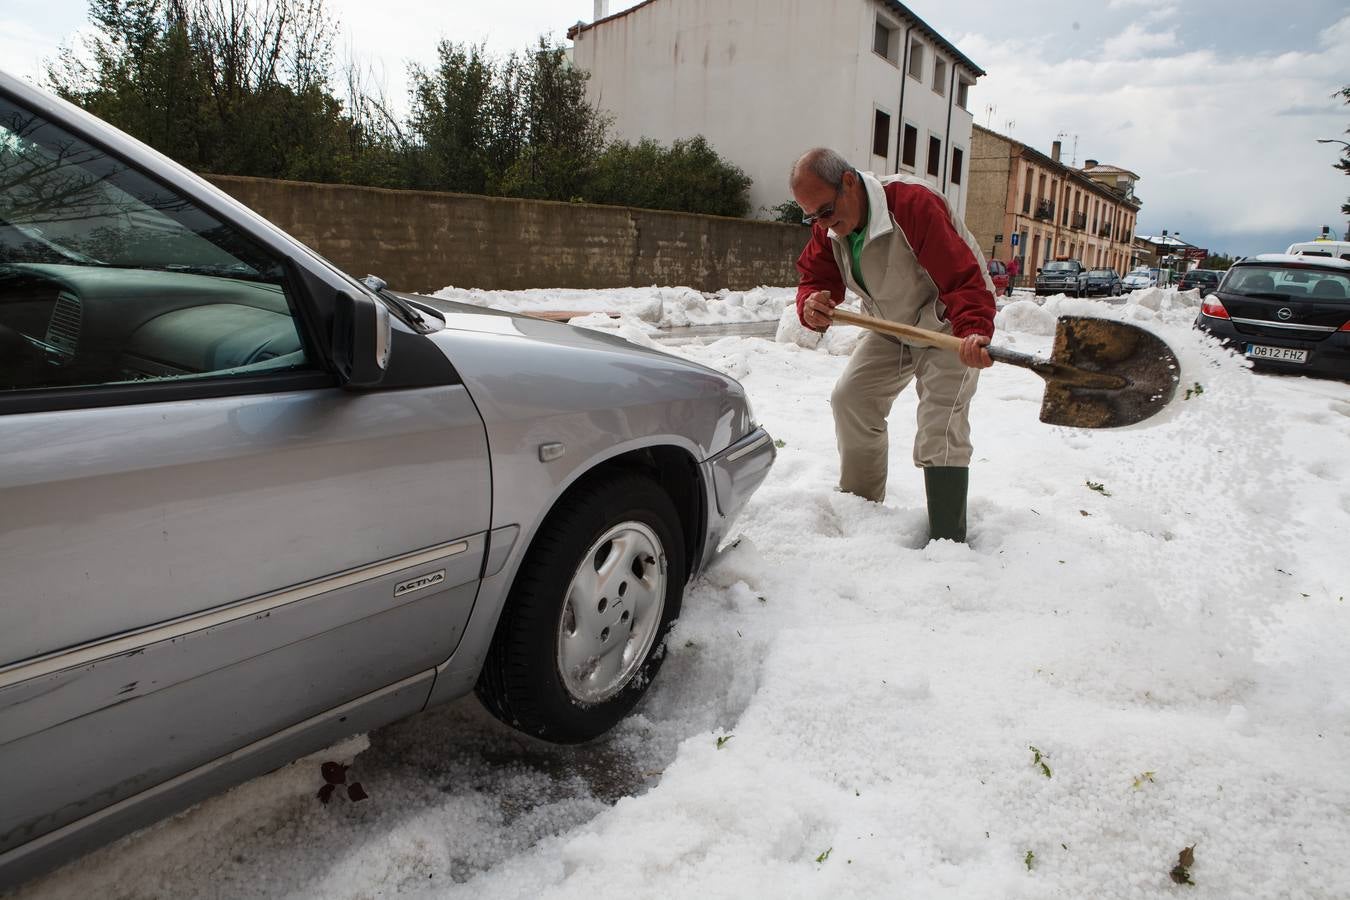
(972, 351)
(818, 311)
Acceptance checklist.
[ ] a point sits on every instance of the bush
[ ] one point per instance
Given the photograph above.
(688, 176)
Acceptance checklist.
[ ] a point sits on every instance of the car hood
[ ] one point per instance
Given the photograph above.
(517, 367)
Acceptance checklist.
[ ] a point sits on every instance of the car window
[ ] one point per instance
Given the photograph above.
(1279, 282)
(108, 277)
(1059, 267)
(1102, 273)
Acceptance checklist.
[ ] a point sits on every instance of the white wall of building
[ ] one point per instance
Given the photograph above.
(764, 80)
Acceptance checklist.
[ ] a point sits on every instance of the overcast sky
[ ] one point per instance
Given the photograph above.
(1217, 104)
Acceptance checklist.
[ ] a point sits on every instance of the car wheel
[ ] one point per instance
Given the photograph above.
(585, 624)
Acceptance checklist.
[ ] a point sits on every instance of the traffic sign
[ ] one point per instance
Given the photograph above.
(1013, 240)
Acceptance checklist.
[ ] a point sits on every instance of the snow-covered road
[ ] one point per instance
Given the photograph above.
(1141, 650)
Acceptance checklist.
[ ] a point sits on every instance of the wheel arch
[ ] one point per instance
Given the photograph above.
(674, 470)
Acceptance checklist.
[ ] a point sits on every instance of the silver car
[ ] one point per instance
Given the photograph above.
(249, 505)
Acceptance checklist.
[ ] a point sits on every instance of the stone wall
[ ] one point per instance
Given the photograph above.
(424, 241)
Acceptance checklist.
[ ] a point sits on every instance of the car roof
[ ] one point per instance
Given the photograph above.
(1287, 259)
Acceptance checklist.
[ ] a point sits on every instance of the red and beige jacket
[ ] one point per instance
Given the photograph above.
(920, 264)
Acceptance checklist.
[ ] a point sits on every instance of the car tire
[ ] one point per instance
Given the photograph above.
(584, 628)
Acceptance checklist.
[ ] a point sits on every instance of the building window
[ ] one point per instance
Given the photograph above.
(934, 155)
(886, 40)
(909, 148)
(940, 77)
(916, 59)
(963, 93)
(881, 135)
(957, 159)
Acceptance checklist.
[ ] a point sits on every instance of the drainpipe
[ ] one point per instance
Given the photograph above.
(951, 101)
(900, 116)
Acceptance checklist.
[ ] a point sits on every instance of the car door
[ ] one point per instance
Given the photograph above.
(204, 539)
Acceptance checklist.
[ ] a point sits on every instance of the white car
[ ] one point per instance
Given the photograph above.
(1139, 278)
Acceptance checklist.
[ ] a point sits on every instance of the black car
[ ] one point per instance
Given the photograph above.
(1062, 276)
(1105, 282)
(1285, 313)
(1204, 279)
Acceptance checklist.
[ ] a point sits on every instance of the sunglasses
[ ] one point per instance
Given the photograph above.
(826, 211)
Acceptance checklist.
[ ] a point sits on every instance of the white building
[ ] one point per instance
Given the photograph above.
(764, 82)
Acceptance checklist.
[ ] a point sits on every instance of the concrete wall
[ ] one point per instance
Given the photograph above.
(764, 82)
(424, 241)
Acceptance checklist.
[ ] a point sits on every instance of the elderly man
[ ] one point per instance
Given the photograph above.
(896, 244)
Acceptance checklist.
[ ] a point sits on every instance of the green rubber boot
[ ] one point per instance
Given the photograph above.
(946, 489)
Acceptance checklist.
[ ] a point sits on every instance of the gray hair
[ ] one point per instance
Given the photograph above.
(823, 163)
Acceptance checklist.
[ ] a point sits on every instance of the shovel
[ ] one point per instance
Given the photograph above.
(1101, 373)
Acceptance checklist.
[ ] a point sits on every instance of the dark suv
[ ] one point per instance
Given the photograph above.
(1285, 313)
(1062, 276)
(1204, 279)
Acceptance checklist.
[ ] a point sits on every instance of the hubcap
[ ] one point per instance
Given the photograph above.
(611, 612)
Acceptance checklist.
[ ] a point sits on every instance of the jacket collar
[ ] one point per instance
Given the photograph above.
(878, 211)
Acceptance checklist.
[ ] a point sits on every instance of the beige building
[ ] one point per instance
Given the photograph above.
(1050, 209)
(765, 81)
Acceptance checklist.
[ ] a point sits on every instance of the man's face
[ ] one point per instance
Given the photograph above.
(839, 209)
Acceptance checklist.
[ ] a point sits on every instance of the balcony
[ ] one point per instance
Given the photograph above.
(1104, 231)
(1045, 210)
(1079, 221)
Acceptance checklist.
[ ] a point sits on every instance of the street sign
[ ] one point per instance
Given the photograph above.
(1014, 239)
(998, 239)
(1196, 253)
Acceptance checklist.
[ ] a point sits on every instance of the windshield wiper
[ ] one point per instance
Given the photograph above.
(409, 313)
(232, 270)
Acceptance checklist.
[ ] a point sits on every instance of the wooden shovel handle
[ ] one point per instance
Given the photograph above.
(909, 332)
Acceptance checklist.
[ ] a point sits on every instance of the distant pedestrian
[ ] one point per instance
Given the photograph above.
(1014, 269)
(897, 244)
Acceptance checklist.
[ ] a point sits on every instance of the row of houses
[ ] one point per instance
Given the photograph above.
(867, 77)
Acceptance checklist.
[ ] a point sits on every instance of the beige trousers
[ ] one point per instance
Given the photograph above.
(877, 372)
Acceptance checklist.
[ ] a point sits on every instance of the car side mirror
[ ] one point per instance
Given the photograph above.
(361, 340)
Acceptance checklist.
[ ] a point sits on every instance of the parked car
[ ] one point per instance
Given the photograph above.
(1062, 276)
(1285, 313)
(1105, 282)
(998, 273)
(1327, 247)
(1204, 280)
(252, 505)
(1138, 278)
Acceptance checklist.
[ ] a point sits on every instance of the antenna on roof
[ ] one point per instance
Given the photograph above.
(989, 110)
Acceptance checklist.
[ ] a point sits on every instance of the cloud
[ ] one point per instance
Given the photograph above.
(1226, 140)
(1136, 42)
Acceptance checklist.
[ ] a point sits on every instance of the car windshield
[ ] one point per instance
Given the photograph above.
(1100, 273)
(1059, 267)
(1288, 282)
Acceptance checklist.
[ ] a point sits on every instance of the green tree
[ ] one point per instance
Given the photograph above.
(450, 119)
(1344, 162)
(565, 134)
(1217, 261)
(220, 85)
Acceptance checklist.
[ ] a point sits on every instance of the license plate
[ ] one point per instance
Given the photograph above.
(1283, 354)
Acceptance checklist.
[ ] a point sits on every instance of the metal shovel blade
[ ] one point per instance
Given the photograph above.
(1105, 374)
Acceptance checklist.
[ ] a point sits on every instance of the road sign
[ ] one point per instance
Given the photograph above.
(1196, 253)
(1014, 240)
